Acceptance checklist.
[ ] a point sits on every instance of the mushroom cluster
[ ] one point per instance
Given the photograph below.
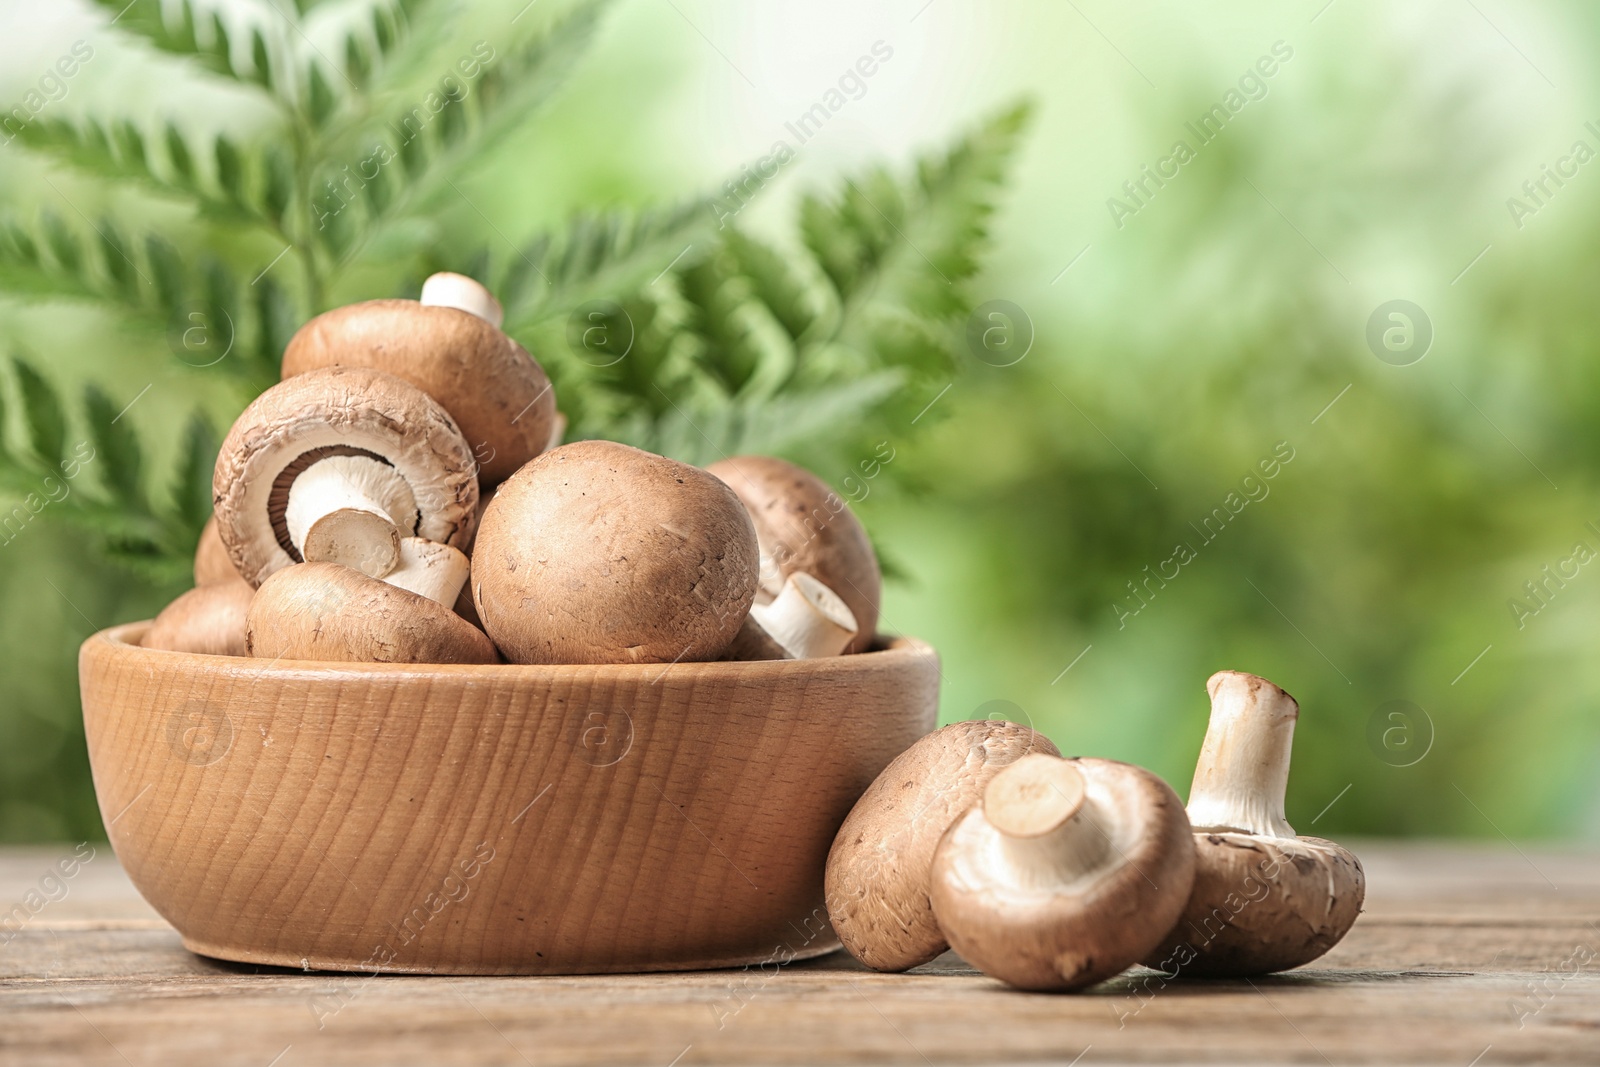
(1054, 873)
(403, 496)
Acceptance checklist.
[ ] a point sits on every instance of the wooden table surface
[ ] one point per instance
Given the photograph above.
(1466, 955)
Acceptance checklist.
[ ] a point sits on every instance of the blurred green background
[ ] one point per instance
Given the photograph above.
(1164, 349)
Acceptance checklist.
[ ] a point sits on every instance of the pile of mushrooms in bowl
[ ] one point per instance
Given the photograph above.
(403, 496)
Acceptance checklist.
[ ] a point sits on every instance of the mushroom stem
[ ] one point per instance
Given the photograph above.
(462, 293)
(1243, 771)
(351, 510)
(808, 619)
(558, 432)
(1049, 829)
(753, 643)
(430, 569)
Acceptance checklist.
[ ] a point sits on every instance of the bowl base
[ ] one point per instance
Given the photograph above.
(241, 954)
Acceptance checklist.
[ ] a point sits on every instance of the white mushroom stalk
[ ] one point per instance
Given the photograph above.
(351, 510)
(1050, 832)
(807, 618)
(1243, 771)
(430, 569)
(462, 293)
(558, 432)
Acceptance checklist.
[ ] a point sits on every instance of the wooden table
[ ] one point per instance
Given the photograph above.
(1466, 955)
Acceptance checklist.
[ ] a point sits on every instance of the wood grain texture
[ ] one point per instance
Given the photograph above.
(1455, 942)
(490, 819)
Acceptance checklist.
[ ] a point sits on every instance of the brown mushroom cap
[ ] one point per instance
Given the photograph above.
(211, 562)
(496, 392)
(877, 876)
(600, 553)
(208, 619)
(324, 611)
(338, 411)
(1261, 904)
(1067, 903)
(803, 525)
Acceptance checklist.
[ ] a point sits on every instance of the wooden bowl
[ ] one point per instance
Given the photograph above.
(490, 819)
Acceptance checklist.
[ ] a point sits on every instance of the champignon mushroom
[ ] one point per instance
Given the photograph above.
(1068, 872)
(807, 619)
(803, 525)
(338, 465)
(601, 553)
(876, 883)
(211, 562)
(209, 619)
(1264, 899)
(450, 346)
(430, 569)
(324, 611)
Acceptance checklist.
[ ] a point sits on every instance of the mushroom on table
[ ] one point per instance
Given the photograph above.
(1067, 873)
(876, 884)
(1264, 898)
(338, 466)
(449, 345)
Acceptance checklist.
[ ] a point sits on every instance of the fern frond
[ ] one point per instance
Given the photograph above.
(119, 152)
(598, 256)
(764, 350)
(416, 136)
(177, 28)
(99, 484)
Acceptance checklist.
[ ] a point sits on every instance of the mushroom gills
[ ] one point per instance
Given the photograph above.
(430, 569)
(351, 510)
(807, 618)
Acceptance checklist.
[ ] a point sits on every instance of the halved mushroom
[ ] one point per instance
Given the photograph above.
(338, 466)
(211, 562)
(451, 347)
(209, 619)
(1067, 873)
(600, 553)
(803, 525)
(324, 611)
(1264, 899)
(876, 884)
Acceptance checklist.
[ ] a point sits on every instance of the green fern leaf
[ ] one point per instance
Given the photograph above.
(61, 241)
(276, 321)
(191, 483)
(118, 458)
(118, 265)
(174, 27)
(321, 100)
(528, 75)
(230, 170)
(260, 60)
(178, 157)
(599, 257)
(794, 303)
(44, 415)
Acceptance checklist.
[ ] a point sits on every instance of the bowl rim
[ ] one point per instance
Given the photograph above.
(124, 640)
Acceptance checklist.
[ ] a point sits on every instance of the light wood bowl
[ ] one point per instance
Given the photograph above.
(491, 819)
